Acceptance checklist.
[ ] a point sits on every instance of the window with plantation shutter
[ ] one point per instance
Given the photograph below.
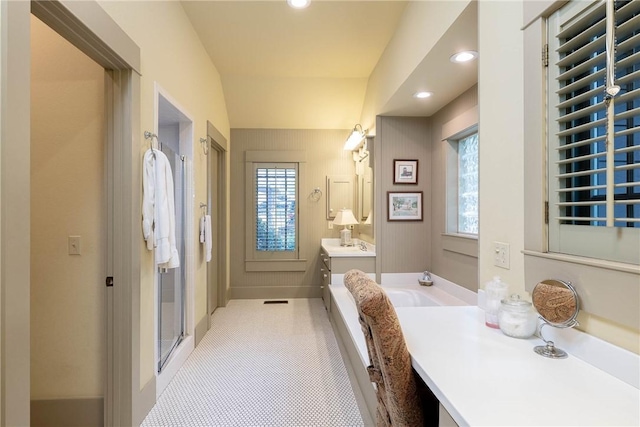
(594, 130)
(276, 207)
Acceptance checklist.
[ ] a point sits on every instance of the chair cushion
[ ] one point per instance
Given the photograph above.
(397, 391)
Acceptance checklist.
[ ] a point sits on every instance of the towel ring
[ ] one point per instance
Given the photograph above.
(315, 194)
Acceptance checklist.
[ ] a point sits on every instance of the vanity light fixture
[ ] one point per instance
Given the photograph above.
(345, 217)
(464, 56)
(298, 4)
(355, 138)
(422, 94)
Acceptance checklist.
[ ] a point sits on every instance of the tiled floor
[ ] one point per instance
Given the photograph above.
(262, 365)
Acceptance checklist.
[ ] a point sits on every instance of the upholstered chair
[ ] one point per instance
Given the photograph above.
(403, 399)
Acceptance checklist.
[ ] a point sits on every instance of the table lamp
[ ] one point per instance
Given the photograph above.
(345, 217)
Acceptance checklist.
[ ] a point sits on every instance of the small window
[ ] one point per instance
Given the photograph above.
(276, 218)
(468, 185)
(273, 220)
(462, 185)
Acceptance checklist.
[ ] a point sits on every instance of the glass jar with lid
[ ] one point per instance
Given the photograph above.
(517, 318)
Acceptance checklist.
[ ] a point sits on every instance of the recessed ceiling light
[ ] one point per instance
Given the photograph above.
(298, 4)
(466, 56)
(422, 94)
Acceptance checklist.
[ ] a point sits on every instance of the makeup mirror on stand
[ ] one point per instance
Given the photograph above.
(557, 305)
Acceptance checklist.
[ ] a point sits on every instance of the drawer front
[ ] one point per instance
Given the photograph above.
(326, 259)
(325, 276)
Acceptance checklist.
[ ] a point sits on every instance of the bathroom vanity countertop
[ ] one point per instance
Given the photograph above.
(483, 377)
(333, 249)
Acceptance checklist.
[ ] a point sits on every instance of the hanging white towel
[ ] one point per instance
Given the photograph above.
(158, 209)
(206, 236)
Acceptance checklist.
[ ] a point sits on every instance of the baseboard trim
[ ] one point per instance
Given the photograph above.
(201, 329)
(67, 412)
(146, 400)
(271, 292)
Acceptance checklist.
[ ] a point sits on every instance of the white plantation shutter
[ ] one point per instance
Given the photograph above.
(276, 222)
(593, 186)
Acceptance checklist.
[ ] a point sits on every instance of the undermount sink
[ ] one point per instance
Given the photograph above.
(334, 249)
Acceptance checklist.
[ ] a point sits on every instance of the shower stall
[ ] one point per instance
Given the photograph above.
(174, 335)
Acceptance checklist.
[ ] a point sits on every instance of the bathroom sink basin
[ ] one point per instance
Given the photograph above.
(337, 250)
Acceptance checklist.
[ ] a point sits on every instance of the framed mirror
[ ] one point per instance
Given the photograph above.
(557, 304)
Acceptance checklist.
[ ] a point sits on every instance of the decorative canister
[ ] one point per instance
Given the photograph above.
(495, 291)
(517, 318)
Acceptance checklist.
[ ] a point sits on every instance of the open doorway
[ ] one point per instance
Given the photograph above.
(68, 232)
(87, 27)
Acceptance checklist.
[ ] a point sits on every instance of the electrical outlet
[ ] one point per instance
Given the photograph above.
(501, 255)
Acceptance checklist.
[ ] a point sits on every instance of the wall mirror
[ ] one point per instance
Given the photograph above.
(557, 304)
(339, 194)
(363, 159)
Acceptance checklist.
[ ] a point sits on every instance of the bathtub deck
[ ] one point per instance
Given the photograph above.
(344, 319)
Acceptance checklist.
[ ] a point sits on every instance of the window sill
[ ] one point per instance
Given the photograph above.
(460, 243)
(592, 262)
(606, 289)
(276, 265)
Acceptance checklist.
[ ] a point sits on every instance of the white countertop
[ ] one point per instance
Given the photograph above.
(333, 249)
(485, 378)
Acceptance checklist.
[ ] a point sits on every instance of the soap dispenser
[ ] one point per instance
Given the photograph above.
(495, 291)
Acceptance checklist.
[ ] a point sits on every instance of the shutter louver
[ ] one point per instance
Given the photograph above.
(276, 222)
(581, 160)
(627, 117)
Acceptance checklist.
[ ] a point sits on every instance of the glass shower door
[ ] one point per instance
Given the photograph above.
(171, 282)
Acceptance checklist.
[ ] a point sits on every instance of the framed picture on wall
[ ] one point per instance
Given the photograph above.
(405, 171)
(404, 206)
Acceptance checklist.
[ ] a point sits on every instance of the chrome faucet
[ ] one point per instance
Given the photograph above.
(426, 279)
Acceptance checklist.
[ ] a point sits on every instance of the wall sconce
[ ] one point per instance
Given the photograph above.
(355, 138)
(345, 217)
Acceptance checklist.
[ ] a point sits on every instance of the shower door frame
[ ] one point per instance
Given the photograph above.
(184, 348)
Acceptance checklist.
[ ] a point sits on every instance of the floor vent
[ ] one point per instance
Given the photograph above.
(278, 301)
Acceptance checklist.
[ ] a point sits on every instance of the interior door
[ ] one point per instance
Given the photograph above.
(214, 211)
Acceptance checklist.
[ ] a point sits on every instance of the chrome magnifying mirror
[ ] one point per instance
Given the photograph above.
(557, 305)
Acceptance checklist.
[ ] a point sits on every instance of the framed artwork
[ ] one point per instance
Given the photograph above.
(404, 206)
(405, 171)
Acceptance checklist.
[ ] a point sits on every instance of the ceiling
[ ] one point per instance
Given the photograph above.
(308, 69)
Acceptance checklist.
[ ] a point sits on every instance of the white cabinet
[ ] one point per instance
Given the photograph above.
(340, 265)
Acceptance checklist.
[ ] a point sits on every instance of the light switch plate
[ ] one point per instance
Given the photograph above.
(74, 245)
(501, 255)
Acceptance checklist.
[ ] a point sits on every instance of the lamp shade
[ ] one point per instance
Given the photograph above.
(355, 138)
(345, 217)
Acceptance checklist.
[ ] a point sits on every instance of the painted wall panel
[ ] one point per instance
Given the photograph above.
(458, 268)
(403, 246)
(325, 156)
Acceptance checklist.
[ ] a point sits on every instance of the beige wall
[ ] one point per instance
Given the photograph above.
(172, 56)
(458, 267)
(422, 24)
(402, 246)
(68, 342)
(325, 156)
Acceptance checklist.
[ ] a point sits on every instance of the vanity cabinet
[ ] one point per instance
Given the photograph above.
(332, 264)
